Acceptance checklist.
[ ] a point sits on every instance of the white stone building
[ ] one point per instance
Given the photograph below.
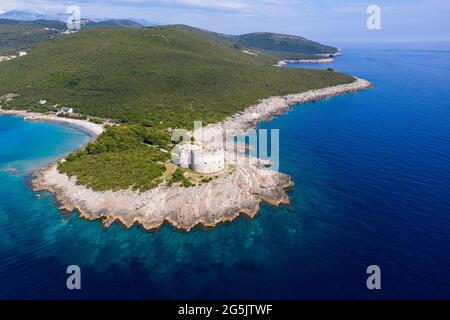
(66, 110)
(201, 159)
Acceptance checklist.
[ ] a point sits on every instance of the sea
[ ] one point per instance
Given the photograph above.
(372, 188)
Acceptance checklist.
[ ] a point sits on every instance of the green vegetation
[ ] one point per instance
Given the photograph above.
(178, 177)
(272, 47)
(206, 180)
(74, 116)
(96, 120)
(148, 79)
(122, 157)
(282, 42)
(123, 23)
(167, 76)
(21, 35)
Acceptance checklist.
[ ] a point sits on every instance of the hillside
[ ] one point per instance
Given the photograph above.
(282, 42)
(161, 75)
(23, 15)
(21, 35)
(123, 23)
(270, 47)
(29, 15)
(18, 35)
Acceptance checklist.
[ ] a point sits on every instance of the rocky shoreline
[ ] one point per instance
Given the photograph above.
(283, 63)
(209, 204)
(324, 58)
(269, 108)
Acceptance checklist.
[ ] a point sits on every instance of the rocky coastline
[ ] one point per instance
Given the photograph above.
(323, 58)
(283, 63)
(221, 200)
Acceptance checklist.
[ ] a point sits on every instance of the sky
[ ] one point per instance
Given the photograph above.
(331, 21)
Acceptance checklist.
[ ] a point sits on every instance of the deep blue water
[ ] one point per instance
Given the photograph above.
(372, 176)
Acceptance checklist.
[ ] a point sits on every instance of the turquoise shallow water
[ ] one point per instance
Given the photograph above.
(372, 181)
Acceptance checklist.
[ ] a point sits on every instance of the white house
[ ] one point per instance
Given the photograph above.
(66, 110)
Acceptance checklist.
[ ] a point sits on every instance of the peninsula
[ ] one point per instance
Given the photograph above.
(138, 85)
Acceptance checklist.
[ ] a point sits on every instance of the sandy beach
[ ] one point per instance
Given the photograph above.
(91, 128)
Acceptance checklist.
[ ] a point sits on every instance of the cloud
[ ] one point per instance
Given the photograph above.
(6, 5)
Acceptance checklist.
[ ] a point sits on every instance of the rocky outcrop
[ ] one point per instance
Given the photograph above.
(330, 55)
(282, 63)
(324, 58)
(209, 204)
(12, 57)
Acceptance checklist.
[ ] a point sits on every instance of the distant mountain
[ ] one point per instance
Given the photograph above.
(124, 23)
(33, 24)
(22, 15)
(270, 47)
(146, 23)
(21, 35)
